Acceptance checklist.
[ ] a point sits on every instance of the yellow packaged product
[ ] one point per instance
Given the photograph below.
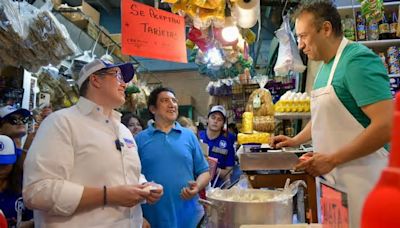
(247, 122)
(169, 1)
(207, 4)
(179, 5)
(264, 123)
(263, 138)
(260, 102)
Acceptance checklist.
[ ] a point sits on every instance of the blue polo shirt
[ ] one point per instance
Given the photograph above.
(171, 159)
(220, 148)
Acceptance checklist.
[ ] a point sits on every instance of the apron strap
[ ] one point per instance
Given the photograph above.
(339, 52)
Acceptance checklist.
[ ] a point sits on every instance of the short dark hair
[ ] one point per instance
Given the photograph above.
(127, 116)
(84, 88)
(322, 10)
(152, 101)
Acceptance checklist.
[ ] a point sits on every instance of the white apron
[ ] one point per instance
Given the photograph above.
(333, 126)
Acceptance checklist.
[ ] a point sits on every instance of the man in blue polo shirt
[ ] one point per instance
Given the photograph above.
(171, 156)
(220, 143)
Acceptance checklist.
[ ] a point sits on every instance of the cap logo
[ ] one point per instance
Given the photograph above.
(1, 146)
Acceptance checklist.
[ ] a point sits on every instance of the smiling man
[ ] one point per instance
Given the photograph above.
(171, 155)
(83, 169)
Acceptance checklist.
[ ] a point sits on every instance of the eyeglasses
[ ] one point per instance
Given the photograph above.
(117, 74)
(17, 120)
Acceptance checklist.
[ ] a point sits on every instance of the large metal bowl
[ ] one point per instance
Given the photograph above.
(269, 207)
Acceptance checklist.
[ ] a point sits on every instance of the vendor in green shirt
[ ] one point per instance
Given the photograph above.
(351, 107)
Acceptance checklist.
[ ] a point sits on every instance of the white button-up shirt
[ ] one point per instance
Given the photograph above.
(73, 148)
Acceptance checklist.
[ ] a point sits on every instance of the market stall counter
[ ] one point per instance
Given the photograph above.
(266, 168)
(277, 180)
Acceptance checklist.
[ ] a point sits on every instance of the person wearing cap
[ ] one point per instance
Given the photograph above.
(83, 169)
(171, 155)
(13, 124)
(220, 144)
(10, 184)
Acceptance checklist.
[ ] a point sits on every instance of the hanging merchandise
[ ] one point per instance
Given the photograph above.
(288, 54)
(261, 105)
(221, 87)
(62, 94)
(137, 100)
(372, 9)
(31, 37)
(247, 12)
(78, 62)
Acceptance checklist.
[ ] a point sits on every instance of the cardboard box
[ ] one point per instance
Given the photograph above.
(116, 37)
(90, 12)
(105, 38)
(81, 18)
(117, 52)
(92, 30)
(110, 40)
(56, 4)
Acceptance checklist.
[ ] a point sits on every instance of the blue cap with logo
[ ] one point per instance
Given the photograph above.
(218, 108)
(7, 151)
(8, 110)
(127, 70)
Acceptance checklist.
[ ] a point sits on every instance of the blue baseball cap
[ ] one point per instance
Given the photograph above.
(8, 110)
(218, 108)
(127, 70)
(7, 151)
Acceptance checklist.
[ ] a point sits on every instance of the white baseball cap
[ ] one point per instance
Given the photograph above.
(127, 70)
(7, 151)
(218, 108)
(8, 110)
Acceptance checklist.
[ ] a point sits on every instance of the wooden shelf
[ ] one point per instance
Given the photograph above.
(358, 6)
(380, 43)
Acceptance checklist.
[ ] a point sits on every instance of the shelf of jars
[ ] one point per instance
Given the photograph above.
(348, 10)
(376, 35)
(380, 44)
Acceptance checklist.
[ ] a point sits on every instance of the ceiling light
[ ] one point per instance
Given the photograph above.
(230, 32)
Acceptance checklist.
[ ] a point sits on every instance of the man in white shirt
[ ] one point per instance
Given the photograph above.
(83, 169)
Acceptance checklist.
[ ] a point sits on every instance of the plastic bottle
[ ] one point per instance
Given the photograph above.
(384, 29)
(373, 30)
(348, 28)
(361, 29)
(393, 26)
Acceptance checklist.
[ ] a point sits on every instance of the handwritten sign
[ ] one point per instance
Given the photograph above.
(152, 33)
(334, 208)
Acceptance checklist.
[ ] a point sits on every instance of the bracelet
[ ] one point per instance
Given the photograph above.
(104, 195)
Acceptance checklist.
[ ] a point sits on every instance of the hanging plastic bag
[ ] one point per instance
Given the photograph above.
(288, 54)
(31, 37)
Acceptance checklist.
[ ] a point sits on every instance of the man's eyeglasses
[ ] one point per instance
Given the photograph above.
(117, 74)
(17, 120)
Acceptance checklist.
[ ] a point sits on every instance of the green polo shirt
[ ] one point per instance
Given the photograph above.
(360, 79)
